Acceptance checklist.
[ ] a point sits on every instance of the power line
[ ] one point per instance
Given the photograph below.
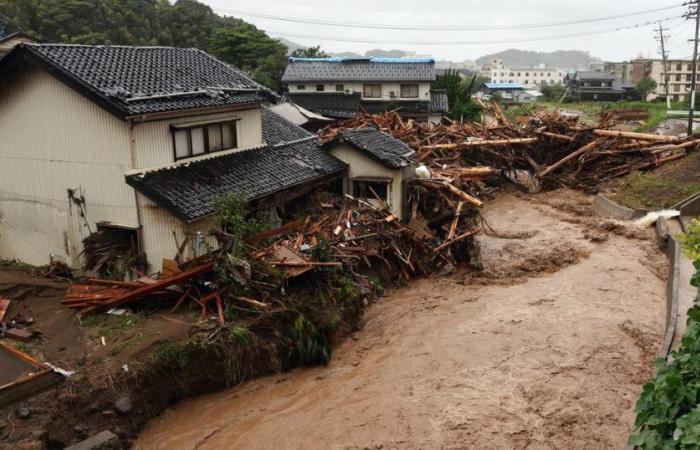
(496, 41)
(436, 27)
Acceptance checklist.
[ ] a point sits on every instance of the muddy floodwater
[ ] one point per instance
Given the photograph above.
(547, 349)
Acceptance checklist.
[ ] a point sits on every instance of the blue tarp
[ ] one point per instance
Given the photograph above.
(504, 86)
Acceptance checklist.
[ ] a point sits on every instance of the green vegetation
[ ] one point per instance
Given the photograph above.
(184, 23)
(22, 347)
(553, 92)
(645, 86)
(591, 110)
(459, 94)
(668, 409)
(239, 334)
(690, 241)
(309, 52)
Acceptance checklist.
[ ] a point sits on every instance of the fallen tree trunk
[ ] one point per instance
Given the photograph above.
(479, 142)
(569, 157)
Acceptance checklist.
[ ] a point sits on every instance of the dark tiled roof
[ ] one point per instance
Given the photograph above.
(276, 129)
(384, 148)
(330, 105)
(438, 101)
(165, 78)
(188, 190)
(595, 76)
(372, 69)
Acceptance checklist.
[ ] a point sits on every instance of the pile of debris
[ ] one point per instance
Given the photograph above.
(365, 239)
(554, 148)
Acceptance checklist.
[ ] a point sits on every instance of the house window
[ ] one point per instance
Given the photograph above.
(362, 189)
(676, 88)
(203, 139)
(320, 88)
(690, 67)
(679, 66)
(339, 88)
(372, 90)
(409, 91)
(678, 77)
(301, 87)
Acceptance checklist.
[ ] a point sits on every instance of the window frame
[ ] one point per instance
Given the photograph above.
(364, 90)
(301, 87)
(205, 131)
(320, 88)
(409, 86)
(339, 88)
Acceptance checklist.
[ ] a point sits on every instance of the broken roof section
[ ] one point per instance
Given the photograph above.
(438, 101)
(359, 69)
(291, 157)
(137, 80)
(378, 145)
(297, 114)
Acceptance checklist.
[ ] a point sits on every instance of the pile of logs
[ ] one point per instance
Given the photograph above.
(554, 148)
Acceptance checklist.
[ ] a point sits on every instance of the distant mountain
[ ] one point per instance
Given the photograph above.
(377, 52)
(291, 45)
(561, 59)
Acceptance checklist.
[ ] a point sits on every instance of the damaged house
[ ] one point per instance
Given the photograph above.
(138, 142)
(343, 87)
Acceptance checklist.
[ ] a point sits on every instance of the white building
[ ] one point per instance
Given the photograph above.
(528, 77)
(138, 143)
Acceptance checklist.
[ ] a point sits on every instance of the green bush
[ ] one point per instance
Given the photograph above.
(668, 414)
(690, 241)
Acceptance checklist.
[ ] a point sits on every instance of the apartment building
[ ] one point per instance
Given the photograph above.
(532, 77)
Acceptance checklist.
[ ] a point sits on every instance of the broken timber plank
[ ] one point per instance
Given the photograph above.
(570, 156)
(461, 237)
(150, 288)
(632, 135)
(4, 306)
(479, 142)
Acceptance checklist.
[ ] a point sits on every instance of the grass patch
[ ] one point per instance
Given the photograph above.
(659, 188)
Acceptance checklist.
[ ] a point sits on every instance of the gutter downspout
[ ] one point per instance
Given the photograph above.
(132, 166)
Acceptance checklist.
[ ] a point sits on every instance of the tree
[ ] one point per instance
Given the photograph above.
(459, 94)
(645, 86)
(250, 49)
(552, 92)
(309, 52)
(184, 23)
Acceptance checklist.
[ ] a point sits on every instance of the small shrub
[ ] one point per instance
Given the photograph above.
(239, 334)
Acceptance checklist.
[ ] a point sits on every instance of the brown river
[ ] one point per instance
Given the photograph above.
(547, 349)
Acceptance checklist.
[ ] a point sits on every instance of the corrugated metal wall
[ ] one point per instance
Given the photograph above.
(363, 166)
(154, 145)
(53, 139)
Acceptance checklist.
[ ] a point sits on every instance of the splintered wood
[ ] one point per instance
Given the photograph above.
(554, 148)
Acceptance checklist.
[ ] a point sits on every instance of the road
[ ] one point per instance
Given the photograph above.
(548, 348)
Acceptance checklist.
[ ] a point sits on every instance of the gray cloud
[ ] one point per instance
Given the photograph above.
(618, 45)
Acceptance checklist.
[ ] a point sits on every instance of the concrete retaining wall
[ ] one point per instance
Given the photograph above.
(605, 207)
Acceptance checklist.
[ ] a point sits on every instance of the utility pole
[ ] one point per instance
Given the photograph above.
(664, 73)
(694, 13)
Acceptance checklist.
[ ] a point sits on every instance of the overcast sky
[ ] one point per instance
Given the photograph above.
(618, 45)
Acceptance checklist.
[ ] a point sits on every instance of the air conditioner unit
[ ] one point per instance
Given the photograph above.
(392, 94)
(349, 91)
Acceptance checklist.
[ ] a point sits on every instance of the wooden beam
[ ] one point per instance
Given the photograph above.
(480, 142)
(570, 156)
(638, 136)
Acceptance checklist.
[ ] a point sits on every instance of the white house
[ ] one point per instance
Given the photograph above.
(138, 141)
(341, 87)
(377, 164)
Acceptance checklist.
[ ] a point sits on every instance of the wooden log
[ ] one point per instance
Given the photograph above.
(449, 187)
(570, 156)
(633, 135)
(304, 263)
(253, 302)
(453, 227)
(479, 142)
(4, 306)
(275, 231)
(461, 237)
(563, 137)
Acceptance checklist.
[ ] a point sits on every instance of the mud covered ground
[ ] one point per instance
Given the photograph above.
(547, 348)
